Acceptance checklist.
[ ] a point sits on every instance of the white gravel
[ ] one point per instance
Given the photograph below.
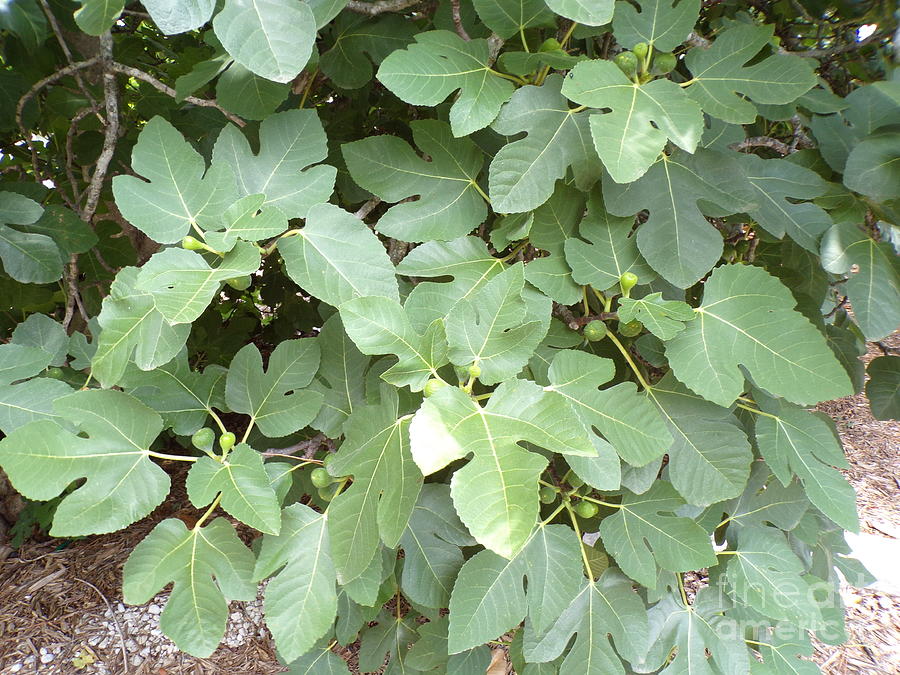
(137, 630)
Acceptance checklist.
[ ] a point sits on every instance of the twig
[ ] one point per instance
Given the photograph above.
(35, 88)
(95, 187)
(367, 208)
(457, 20)
(379, 7)
(70, 152)
(697, 40)
(800, 139)
(111, 100)
(842, 49)
(51, 19)
(115, 621)
(308, 447)
(762, 142)
(159, 86)
(579, 321)
(495, 44)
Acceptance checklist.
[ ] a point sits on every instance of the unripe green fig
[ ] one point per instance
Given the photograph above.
(641, 49)
(627, 281)
(433, 386)
(192, 244)
(226, 441)
(54, 372)
(550, 45)
(547, 495)
(203, 439)
(596, 330)
(586, 509)
(326, 494)
(320, 477)
(240, 283)
(627, 62)
(630, 329)
(474, 370)
(663, 63)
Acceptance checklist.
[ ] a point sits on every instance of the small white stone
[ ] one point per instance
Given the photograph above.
(16, 667)
(136, 660)
(120, 607)
(154, 609)
(46, 658)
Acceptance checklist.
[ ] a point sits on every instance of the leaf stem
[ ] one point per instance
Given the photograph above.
(684, 598)
(207, 513)
(584, 558)
(480, 191)
(688, 83)
(607, 302)
(555, 512)
(628, 358)
(568, 35)
(249, 429)
(176, 458)
(506, 76)
(524, 41)
(754, 410)
(217, 420)
(600, 502)
(518, 247)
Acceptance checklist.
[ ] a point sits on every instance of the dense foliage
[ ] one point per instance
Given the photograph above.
(424, 292)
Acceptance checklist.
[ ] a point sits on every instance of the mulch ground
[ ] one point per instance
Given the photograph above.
(61, 611)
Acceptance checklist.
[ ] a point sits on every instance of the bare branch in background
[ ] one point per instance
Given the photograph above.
(367, 208)
(842, 49)
(762, 142)
(379, 7)
(35, 88)
(51, 19)
(159, 86)
(457, 20)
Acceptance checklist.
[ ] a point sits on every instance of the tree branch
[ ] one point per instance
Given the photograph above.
(111, 99)
(842, 49)
(457, 20)
(51, 19)
(35, 88)
(380, 6)
(165, 89)
(762, 142)
(308, 447)
(367, 208)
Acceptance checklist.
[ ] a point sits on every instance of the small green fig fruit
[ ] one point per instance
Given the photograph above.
(547, 495)
(631, 329)
(550, 45)
(663, 63)
(240, 283)
(586, 509)
(320, 477)
(203, 439)
(227, 441)
(627, 62)
(475, 370)
(433, 386)
(641, 49)
(596, 330)
(192, 244)
(626, 282)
